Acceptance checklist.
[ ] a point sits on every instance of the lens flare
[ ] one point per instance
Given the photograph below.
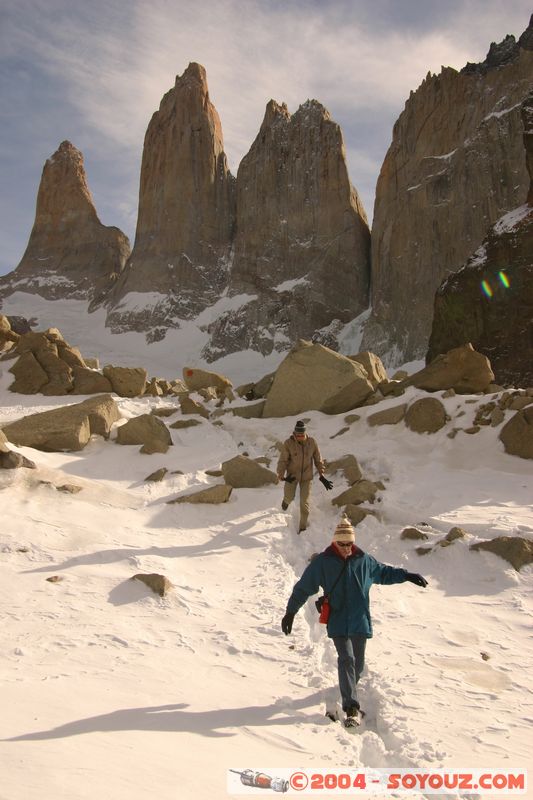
(504, 279)
(485, 285)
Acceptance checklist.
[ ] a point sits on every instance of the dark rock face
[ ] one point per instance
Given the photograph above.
(454, 167)
(186, 213)
(302, 239)
(70, 253)
(489, 302)
(499, 326)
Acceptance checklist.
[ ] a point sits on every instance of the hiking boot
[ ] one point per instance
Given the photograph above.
(353, 718)
(284, 506)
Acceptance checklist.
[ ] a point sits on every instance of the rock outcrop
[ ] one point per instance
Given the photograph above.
(489, 301)
(301, 267)
(454, 167)
(69, 253)
(186, 217)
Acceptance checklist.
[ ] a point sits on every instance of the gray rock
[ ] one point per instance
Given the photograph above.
(66, 428)
(146, 430)
(190, 406)
(126, 381)
(413, 533)
(243, 472)
(314, 377)
(180, 424)
(389, 416)
(214, 495)
(426, 415)
(159, 584)
(514, 549)
(349, 467)
(462, 369)
(361, 492)
(157, 476)
(12, 460)
(517, 434)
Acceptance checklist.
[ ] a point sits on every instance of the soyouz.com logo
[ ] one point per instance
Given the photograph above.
(340, 780)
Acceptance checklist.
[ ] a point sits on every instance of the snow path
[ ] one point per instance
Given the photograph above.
(108, 689)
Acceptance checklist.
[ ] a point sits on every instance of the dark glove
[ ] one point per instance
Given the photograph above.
(286, 623)
(289, 479)
(326, 483)
(417, 579)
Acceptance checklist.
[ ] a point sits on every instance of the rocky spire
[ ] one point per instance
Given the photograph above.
(455, 166)
(186, 209)
(69, 253)
(302, 239)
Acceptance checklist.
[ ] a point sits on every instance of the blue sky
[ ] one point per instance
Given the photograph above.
(94, 73)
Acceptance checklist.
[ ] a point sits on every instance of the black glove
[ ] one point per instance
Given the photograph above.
(289, 479)
(417, 579)
(286, 623)
(326, 483)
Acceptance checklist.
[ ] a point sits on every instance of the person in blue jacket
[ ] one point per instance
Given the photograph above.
(346, 574)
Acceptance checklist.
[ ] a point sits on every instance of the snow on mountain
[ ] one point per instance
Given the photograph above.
(110, 691)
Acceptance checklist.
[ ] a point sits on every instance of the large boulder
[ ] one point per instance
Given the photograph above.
(52, 431)
(517, 434)
(147, 430)
(313, 377)
(462, 369)
(66, 428)
(426, 415)
(126, 381)
(243, 472)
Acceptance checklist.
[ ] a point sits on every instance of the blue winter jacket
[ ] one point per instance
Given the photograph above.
(349, 601)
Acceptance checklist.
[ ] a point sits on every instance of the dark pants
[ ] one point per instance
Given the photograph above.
(351, 660)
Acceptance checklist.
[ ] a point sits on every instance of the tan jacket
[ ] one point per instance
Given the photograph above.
(297, 459)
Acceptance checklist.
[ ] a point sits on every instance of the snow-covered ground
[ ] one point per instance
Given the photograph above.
(109, 691)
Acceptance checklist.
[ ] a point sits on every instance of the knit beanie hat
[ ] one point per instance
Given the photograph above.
(344, 531)
(299, 427)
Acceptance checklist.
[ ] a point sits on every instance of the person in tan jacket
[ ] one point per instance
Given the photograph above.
(295, 467)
